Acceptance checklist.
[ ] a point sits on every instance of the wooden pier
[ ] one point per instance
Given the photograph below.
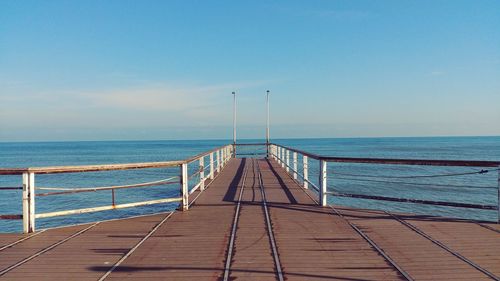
(255, 222)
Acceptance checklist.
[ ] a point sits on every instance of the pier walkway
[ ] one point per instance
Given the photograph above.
(254, 222)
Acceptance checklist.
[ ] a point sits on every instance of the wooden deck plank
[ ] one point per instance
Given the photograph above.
(193, 243)
(252, 257)
(98, 247)
(29, 247)
(463, 238)
(411, 251)
(313, 242)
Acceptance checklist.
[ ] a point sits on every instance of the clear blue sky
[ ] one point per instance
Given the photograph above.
(92, 70)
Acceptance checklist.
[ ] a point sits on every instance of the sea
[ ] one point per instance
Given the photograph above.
(471, 185)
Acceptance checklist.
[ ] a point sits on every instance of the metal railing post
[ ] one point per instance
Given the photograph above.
(222, 158)
(306, 171)
(212, 166)
(28, 202)
(322, 182)
(202, 173)
(217, 154)
(283, 157)
(288, 161)
(498, 196)
(184, 187)
(226, 154)
(295, 165)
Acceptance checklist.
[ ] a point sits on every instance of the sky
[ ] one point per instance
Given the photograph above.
(134, 70)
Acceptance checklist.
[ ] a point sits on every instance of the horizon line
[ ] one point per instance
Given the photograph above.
(263, 138)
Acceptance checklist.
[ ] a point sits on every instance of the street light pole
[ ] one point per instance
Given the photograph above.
(234, 118)
(267, 126)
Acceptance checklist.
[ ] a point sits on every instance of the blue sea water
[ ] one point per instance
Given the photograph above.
(369, 179)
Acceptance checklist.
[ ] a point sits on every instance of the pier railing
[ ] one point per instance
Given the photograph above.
(290, 158)
(251, 150)
(200, 170)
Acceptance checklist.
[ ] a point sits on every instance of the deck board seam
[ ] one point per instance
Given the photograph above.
(41, 252)
(120, 261)
(21, 240)
(361, 233)
(443, 246)
(207, 186)
(489, 227)
(230, 246)
(269, 227)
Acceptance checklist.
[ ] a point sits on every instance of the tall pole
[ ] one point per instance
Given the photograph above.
(267, 126)
(234, 118)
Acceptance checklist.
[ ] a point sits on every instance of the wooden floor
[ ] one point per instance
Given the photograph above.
(303, 242)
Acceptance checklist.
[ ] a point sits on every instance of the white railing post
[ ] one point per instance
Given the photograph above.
(202, 173)
(305, 172)
(498, 196)
(226, 155)
(211, 165)
(218, 161)
(295, 165)
(28, 202)
(288, 161)
(184, 187)
(278, 154)
(322, 182)
(221, 158)
(283, 157)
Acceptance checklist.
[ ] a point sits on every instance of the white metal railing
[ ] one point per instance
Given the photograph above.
(218, 158)
(281, 154)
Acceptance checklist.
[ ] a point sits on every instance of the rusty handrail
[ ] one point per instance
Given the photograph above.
(282, 155)
(421, 162)
(222, 155)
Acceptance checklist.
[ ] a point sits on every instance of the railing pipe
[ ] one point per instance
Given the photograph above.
(184, 187)
(212, 166)
(305, 171)
(498, 196)
(288, 161)
(28, 202)
(202, 173)
(295, 165)
(283, 157)
(323, 176)
(217, 153)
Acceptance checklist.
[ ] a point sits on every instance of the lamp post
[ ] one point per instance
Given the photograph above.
(267, 125)
(234, 123)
